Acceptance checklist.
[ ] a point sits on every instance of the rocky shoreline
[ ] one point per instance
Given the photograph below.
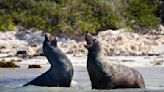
(114, 42)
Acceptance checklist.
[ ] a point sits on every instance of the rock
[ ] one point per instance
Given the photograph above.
(22, 34)
(135, 36)
(160, 30)
(34, 66)
(8, 64)
(128, 60)
(107, 51)
(129, 43)
(77, 54)
(114, 42)
(21, 53)
(39, 51)
(32, 37)
(7, 35)
(104, 34)
(70, 52)
(74, 48)
(74, 84)
(158, 62)
(13, 60)
(2, 47)
(36, 50)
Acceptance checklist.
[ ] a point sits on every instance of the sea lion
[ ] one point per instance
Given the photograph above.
(61, 70)
(105, 75)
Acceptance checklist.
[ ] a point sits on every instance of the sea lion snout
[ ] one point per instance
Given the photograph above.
(89, 40)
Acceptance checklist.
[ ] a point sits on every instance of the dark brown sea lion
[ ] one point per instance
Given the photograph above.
(105, 75)
(61, 70)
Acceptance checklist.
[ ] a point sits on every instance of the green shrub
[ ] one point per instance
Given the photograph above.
(141, 14)
(78, 15)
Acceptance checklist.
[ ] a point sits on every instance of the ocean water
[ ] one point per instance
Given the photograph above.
(16, 77)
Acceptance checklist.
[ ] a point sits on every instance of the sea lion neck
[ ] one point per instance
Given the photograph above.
(95, 52)
(89, 39)
(52, 52)
(46, 38)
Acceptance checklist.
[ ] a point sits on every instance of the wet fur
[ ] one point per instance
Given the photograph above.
(105, 75)
(61, 71)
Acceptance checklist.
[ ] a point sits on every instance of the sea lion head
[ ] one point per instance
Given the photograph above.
(46, 37)
(52, 40)
(92, 43)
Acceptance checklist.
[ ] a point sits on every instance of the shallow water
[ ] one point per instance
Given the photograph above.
(16, 77)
